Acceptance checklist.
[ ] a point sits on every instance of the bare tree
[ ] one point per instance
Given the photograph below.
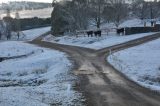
(140, 9)
(146, 10)
(96, 8)
(116, 11)
(153, 7)
(8, 21)
(7, 31)
(79, 11)
(17, 24)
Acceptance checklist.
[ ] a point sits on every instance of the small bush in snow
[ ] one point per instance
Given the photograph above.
(39, 71)
(23, 74)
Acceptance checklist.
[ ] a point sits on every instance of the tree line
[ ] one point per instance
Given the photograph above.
(69, 16)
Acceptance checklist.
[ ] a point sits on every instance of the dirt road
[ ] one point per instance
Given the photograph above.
(101, 84)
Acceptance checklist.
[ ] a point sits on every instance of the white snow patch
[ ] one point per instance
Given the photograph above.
(34, 33)
(95, 42)
(140, 63)
(40, 79)
(133, 23)
(12, 48)
(27, 35)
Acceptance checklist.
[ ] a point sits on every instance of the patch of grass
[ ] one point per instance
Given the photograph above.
(39, 71)
(56, 104)
(23, 74)
(9, 74)
(21, 83)
(151, 79)
(9, 54)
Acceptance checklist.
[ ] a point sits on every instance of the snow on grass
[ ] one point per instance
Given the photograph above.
(28, 34)
(133, 23)
(7, 49)
(94, 42)
(33, 33)
(137, 23)
(40, 79)
(140, 63)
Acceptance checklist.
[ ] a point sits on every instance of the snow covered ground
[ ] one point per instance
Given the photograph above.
(42, 78)
(137, 23)
(28, 34)
(33, 33)
(94, 42)
(134, 23)
(141, 64)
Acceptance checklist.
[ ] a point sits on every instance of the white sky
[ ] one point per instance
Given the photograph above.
(46, 1)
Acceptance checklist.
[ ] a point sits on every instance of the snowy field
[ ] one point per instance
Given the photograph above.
(28, 34)
(42, 78)
(34, 33)
(141, 64)
(40, 13)
(94, 42)
(105, 40)
(135, 23)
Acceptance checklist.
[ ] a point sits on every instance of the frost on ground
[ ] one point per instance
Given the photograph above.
(34, 33)
(9, 49)
(94, 42)
(141, 64)
(40, 79)
(28, 34)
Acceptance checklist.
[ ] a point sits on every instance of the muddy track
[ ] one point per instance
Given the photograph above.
(101, 83)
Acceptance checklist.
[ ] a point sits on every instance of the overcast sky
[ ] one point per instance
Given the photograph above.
(48, 1)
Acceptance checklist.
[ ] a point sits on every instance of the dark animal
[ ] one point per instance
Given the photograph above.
(8, 37)
(1, 59)
(120, 31)
(18, 34)
(98, 33)
(90, 33)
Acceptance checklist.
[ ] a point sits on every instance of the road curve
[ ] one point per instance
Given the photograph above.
(102, 84)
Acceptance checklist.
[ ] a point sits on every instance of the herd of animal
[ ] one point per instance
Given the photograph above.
(98, 33)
